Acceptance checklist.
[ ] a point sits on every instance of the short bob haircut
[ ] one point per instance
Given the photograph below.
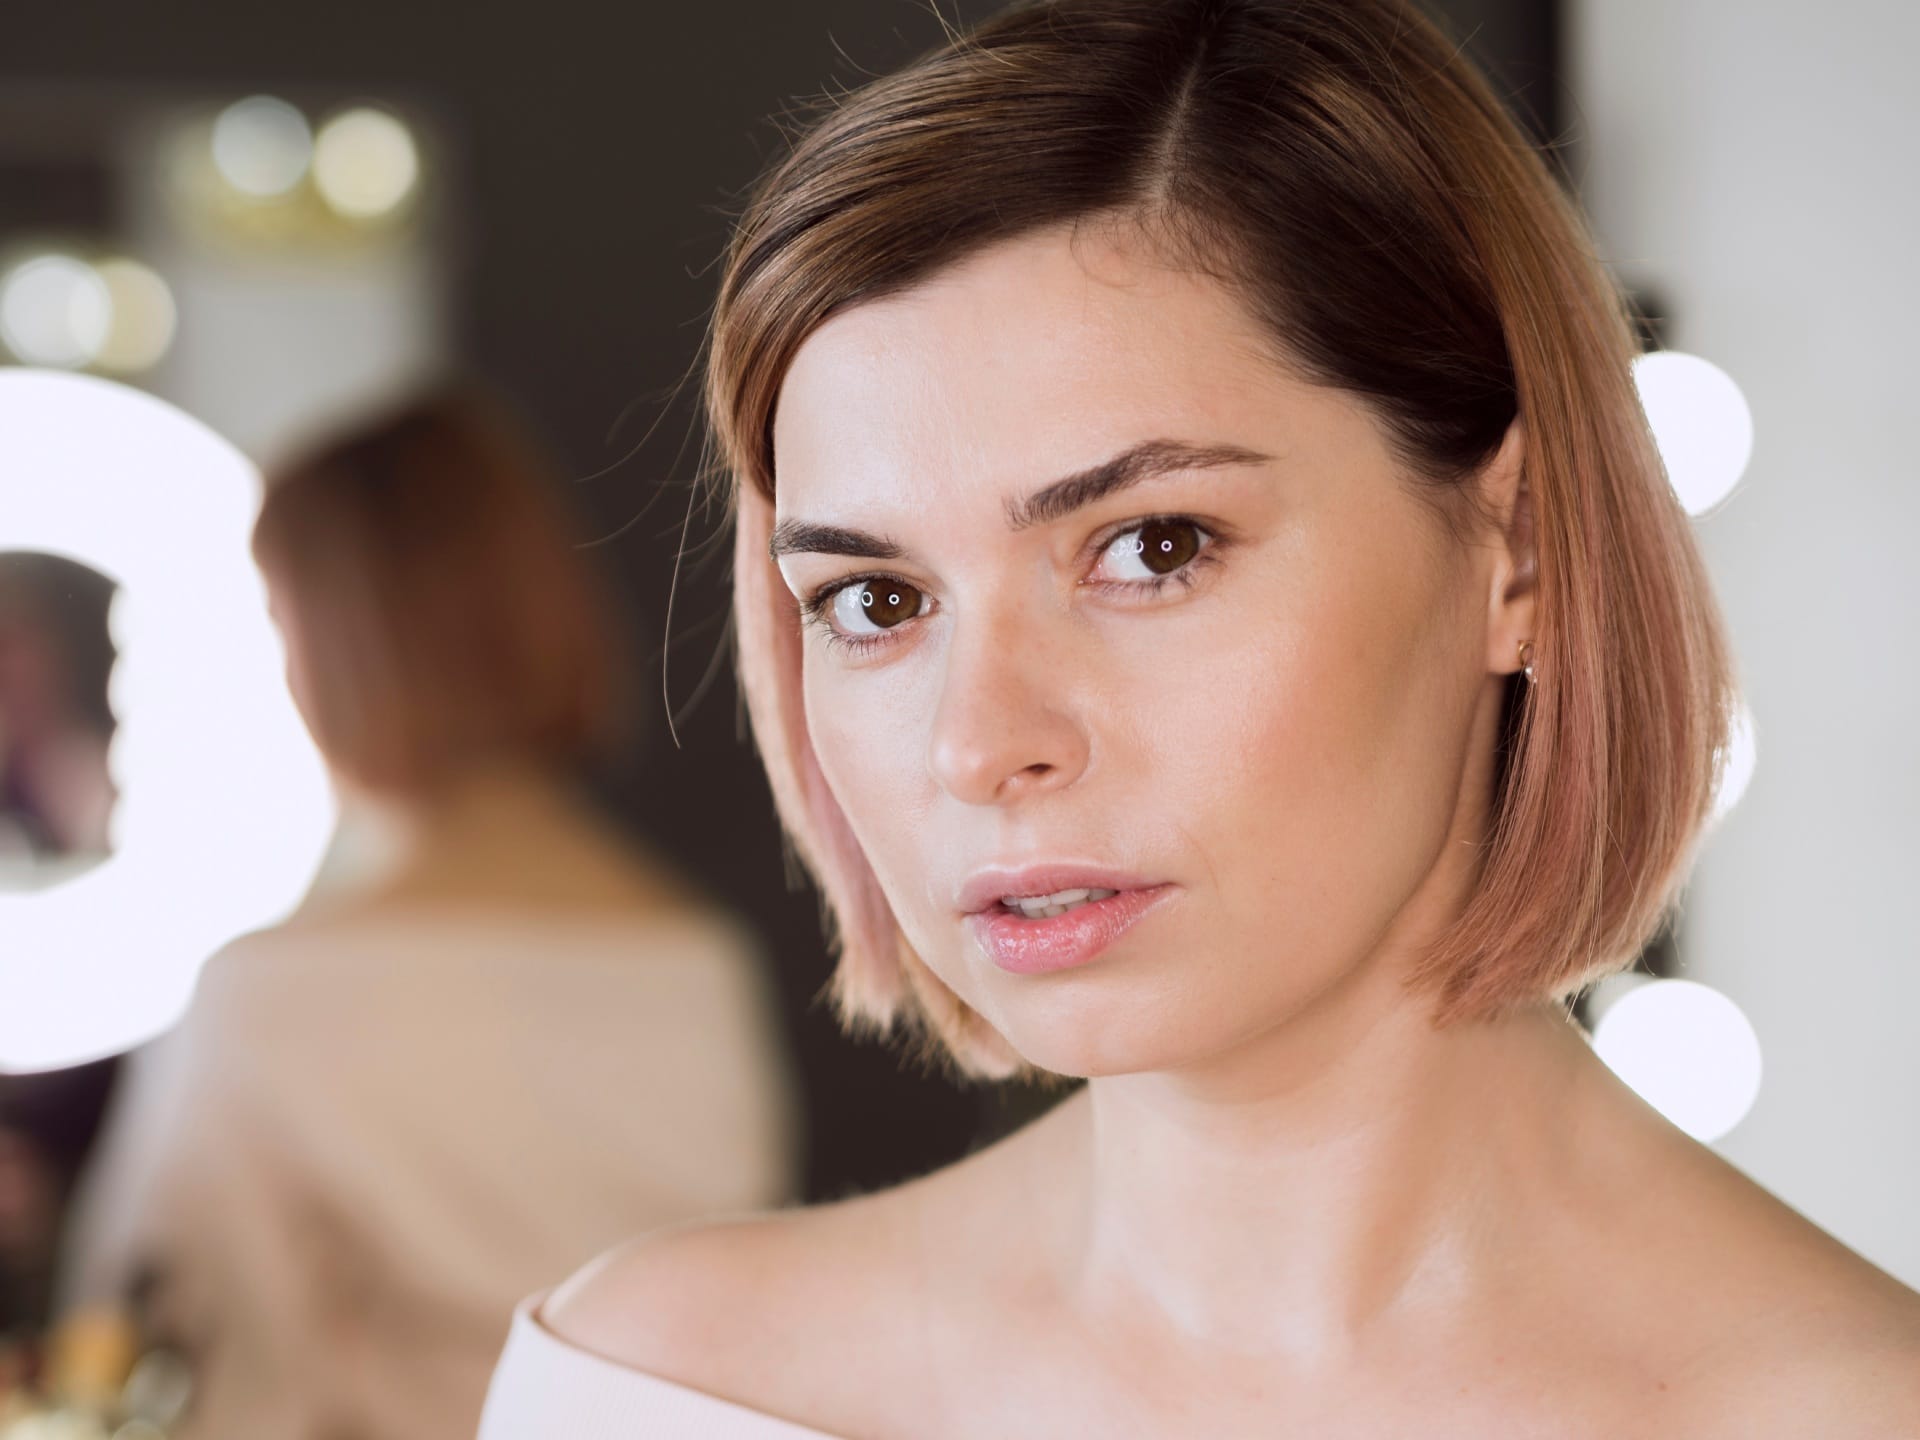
(1359, 185)
(443, 615)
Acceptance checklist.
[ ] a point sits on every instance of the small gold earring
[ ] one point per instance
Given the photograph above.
(1526, 659)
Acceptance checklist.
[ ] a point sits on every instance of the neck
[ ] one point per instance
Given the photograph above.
(1320, 1188)
(480, 831)
(505, 834)
(445, 812)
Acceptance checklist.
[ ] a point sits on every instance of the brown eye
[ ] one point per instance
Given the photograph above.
(1167, 544)
(881, 604)
(1162, 546)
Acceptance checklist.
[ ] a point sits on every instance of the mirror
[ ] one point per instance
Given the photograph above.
(56, 657)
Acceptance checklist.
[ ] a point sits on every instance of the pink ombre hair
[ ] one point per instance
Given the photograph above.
(1346, 170)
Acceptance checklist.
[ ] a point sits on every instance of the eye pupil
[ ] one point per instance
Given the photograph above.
(1173, 544)
(902, 602)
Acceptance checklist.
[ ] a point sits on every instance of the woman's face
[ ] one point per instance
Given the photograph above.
(1286, 733)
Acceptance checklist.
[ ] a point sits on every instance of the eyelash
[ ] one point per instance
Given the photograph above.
(813, 609)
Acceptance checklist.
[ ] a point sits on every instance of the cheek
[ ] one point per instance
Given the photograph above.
(1260, 751)
(869, 741)
(1311, 758)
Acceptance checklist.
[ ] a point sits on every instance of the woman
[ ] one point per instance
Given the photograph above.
(1189, 488)
(56, 790)
(56, 820)
(510, 1039)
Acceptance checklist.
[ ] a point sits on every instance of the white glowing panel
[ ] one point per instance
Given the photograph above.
(1687, 1050)
(1700, 421)
(224, 806)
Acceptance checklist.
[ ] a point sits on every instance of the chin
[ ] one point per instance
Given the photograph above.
(1071, 1030)
(1124, 1021)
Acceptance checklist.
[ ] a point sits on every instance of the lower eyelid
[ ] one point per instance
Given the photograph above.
(1188, 575)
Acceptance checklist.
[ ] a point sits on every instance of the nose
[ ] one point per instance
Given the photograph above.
(1005, 728)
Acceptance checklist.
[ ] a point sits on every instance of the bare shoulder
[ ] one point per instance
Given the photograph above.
(1804, 1336)
(1842, 1356)
(818, 1314)
(677, 1300)
(1848, 1373)
(789, 1313)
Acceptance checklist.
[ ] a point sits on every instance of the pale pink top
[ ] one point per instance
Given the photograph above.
(545, 1387)
(372, 1135)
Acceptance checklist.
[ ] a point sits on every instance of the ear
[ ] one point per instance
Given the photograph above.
(1513, 589)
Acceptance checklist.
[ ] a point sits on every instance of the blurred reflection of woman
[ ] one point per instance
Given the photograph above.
(56, 811)
(1216, 625)
(56, 792)
(514, 1040)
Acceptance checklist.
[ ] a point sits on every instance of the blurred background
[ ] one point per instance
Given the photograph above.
(280, 220)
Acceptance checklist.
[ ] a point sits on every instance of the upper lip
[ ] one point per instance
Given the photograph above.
(985, 888)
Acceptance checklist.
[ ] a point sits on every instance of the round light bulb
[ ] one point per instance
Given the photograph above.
(1737, 769)
(1700, 421)
(261, 146)
(365, 163)
(55, 310)
(143, 317)
(1687, 1050)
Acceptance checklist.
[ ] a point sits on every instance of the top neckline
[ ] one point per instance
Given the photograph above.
(532, 1330)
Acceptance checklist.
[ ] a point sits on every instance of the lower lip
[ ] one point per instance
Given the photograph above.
(1032, 947)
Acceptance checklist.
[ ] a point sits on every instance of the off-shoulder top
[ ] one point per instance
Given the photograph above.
(546, 1387)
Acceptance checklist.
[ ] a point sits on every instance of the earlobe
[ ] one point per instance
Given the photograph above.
(1512, 604)
(1515, 606)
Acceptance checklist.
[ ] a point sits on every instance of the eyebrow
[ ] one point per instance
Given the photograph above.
(1052, 502)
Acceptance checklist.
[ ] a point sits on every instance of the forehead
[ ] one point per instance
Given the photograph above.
(1027, 360)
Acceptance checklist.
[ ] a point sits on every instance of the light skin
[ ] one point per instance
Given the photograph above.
(1284, 1198)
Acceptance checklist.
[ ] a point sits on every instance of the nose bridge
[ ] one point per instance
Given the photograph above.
(1005, 722)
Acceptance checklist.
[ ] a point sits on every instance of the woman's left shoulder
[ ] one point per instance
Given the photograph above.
(1813, 1338)
(1850, 1372)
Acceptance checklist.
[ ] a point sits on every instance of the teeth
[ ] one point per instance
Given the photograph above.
(1045, 907)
